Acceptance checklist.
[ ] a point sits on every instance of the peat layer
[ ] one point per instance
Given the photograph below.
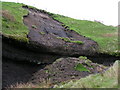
(61, 70)
(48, 41)
(49, 34)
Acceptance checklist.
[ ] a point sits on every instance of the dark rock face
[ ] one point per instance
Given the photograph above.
(45, 32)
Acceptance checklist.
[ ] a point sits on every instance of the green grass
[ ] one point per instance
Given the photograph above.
(108, 79)
(42, 33)
(83, 57)
(87, 61)
(94, 30)
(63, 38)
(78, 42)
(12, 21)
(81, 68)
(105, 36)
(34, 26)
(68, 40)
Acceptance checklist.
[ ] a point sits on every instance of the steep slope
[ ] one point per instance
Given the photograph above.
(50, 35)
(46, 37)
(12, 21)
(34, 38)
(105, 36)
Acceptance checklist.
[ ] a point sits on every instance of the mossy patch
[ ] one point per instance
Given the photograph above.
(69, 40)
(34, 26)
(81, 67)
(83, 57)
(78, 42)
(42, 33)
(86, 61)
(63, 38)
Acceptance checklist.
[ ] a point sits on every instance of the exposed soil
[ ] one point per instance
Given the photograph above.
(61, 70)
(44, 31)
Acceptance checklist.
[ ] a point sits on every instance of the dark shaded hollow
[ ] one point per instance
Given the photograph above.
(17, 72)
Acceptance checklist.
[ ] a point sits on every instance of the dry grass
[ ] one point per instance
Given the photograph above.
(113, 71)
(110, 34)
(7, 15)
(44, 84)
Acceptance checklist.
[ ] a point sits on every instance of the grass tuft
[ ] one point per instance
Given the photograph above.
(68, 40)
(42, 33)
(81, 68)
(34, 26)
(44, 84)
(12, 21)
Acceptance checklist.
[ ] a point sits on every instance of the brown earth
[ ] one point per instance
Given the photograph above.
(110, 34)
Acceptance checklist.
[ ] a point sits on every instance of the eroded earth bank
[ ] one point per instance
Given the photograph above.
(52, 53)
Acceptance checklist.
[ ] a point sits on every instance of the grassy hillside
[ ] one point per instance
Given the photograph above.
(108, 79)
(12, 21)
(105, 36)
